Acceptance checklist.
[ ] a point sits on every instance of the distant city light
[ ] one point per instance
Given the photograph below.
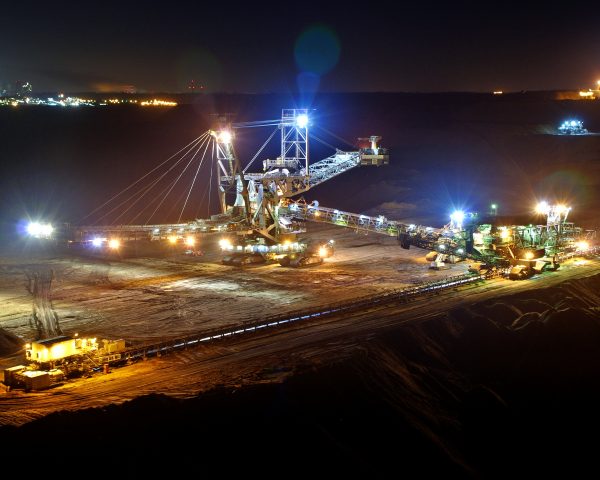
(158, 103)
(67, 101)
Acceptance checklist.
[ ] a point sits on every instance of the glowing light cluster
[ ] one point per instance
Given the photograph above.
(302, 121)
(225, 244)
(572, 127)
(224, 136)
(190, 241)
(582, 246)
(457, 218)
(98, 241)
(158, 103)
(505, 233)
(544, 208)
(40, 230)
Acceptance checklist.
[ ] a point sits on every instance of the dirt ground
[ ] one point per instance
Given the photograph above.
(168, 295)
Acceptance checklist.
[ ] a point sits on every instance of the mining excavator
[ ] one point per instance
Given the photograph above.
(254, 205)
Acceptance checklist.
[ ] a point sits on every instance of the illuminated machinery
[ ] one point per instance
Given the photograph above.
(533, 248)
(264, 228)
(572, 127)
(252, 221)
(557, 236)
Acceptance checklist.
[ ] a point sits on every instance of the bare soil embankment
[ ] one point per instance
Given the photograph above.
(489, 390)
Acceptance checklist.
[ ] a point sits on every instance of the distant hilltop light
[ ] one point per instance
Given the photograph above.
(62, 100)
(587, 94)
(498, 92)
(158, 103)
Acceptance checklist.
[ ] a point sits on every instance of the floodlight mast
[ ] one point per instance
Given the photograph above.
(229, 171)
(294, 138)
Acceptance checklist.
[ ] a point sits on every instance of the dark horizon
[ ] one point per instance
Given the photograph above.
(282, 92)
(262, 48)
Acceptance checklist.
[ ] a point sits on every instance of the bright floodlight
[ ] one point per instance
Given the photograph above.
(190, 241)
(97, 242)
(114, 243)
(573, 123)
(302, 121)
(172, 239)
(224, 136)
(457, 216)
(542, 207)
(225, 244)
(33, 228)
(40, 230)
(582, 246)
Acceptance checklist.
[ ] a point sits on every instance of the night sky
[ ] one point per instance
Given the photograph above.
(291, 46)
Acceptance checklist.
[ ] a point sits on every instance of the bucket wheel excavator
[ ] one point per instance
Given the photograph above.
(260, 226)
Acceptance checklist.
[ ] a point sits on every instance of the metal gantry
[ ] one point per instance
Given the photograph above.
(252, 202)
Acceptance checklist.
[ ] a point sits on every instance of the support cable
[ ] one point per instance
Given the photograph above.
(176, 180)
(154, 199)
(337, 137)
(144, 176)
(146, 189)
(212, 167)
(193, 181)
(260, 150)
(257, 123)
(322, 141)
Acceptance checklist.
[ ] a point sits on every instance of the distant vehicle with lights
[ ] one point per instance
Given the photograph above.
(572, 127)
